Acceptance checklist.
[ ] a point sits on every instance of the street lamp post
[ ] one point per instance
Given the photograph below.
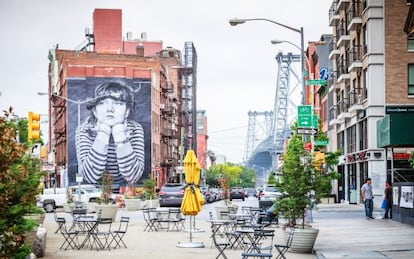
(237, 21)
(78, 104)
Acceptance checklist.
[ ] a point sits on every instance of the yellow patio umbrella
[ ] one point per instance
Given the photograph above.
(193, 199)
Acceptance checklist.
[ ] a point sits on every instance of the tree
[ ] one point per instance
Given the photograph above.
(300, 179)
(19, 180)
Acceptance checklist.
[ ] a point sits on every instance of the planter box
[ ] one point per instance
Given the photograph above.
(303, 240)
(231, 209)
(134, 204)
(155, 203)
(107, 210)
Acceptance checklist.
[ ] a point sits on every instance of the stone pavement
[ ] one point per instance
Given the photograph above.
(157, 245)
(340, 236)
(344, 236)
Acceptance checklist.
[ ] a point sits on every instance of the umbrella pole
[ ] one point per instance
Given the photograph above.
(191, 231)
(191, 244)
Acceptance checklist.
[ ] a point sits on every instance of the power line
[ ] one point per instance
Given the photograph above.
(228, 129)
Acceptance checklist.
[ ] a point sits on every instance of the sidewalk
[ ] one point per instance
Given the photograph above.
(342, 236)
(343, 233)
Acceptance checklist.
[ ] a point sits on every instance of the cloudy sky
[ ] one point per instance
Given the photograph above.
(237, 71)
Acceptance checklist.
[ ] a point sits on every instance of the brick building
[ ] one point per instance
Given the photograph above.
(373, 67)
(107, 55)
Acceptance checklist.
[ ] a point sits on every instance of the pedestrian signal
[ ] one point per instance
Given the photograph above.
(33, 129)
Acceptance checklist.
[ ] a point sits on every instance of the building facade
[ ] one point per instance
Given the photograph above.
(371, 58)
(153, 73)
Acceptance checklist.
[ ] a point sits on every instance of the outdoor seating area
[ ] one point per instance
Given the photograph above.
(242, 232)
(90, 231)
(163, 219)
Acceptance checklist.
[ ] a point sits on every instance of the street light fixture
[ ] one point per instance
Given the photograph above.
(237, 21)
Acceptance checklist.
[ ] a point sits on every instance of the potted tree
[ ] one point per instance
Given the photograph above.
(105, 204)
(226, 207)
(151, 199)
(301, 185)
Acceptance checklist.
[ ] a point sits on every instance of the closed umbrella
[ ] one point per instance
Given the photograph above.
(193, 199)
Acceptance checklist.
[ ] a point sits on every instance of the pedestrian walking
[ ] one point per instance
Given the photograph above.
(367, 198)
(388, 201)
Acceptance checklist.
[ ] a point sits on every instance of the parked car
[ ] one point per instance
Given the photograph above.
(268, 195)
(250, 192)
(208, 197)
(237, 193)
(171, 195)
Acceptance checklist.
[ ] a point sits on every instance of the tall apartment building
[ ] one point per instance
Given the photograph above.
(373, 63)
(152, 72)
(202, 137)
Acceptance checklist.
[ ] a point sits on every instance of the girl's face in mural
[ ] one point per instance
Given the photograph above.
(111, 111)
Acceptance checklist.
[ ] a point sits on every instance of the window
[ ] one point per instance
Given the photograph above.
(351, 139)
(340, 141)
(410, 43)
(363, 138)
(410, 79)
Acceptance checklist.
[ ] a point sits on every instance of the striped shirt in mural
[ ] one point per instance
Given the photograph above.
(125, 161)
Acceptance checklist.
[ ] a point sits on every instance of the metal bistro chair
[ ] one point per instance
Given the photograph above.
(150, 219)
(219, 242)
(70, 236)
(119, 234)
(101, 234)
(283, 248)
(177, 219)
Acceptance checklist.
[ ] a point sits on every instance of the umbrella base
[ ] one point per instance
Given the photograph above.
(194, 230)
(191, 245)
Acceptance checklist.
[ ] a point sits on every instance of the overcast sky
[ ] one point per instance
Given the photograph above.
(237, 70)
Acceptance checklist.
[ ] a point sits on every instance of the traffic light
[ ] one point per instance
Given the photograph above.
(33, 129)
(319, 160)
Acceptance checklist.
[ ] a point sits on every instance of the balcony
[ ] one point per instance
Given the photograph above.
(343, 106)
(342, 70)
(342, 4)
(332, 82)
(167, 109)
(354, 14)
(342, 34)
(333, 13)
(333, 50)
(355, 58)
(333, 120)
(355, 101)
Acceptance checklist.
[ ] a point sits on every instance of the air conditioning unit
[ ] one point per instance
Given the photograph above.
(162, 106)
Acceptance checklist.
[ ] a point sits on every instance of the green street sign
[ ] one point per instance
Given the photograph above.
(316, 82)
(320, 142)
(304, 110)
(308, 121)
